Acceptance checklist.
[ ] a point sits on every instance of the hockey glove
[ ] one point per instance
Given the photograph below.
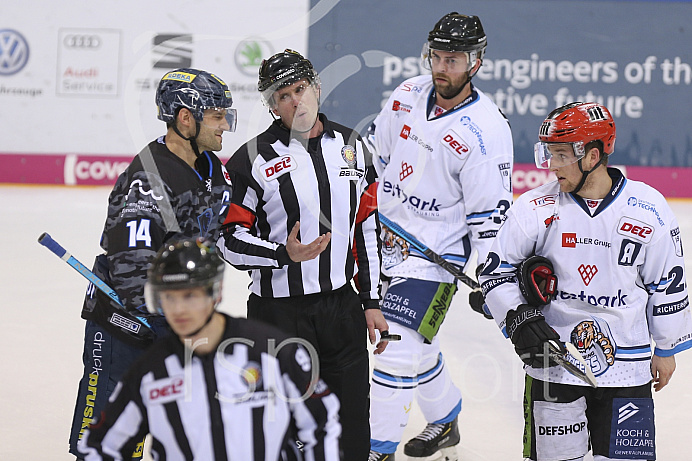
(529, 332)
(120, 323)
(477, 300)
(537, 280)
(477, 303)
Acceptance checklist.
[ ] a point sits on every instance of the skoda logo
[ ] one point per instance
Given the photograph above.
(82, 41)
(249, 54)
(14, 52)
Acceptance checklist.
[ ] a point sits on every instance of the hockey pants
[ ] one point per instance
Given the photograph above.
(408, 369)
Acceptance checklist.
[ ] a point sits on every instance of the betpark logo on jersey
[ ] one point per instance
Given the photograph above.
(421, 206)
(596, 300)
(277, 167)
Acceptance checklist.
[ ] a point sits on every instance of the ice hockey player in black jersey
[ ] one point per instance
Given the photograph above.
(175, 187)
(219, 388)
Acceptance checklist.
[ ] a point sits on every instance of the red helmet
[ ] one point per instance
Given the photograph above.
(579, 122)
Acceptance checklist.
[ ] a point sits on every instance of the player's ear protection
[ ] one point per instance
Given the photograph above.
(537, 281)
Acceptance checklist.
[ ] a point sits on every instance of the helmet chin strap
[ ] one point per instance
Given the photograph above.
(206, 322)
(192, 139)
(585, 174)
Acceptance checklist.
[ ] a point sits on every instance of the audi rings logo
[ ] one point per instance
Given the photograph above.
(82, 41)
(14, 52)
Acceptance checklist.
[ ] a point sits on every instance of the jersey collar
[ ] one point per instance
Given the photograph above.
(432, 97)
(619, 181)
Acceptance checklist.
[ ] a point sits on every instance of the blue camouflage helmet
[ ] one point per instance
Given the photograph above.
(195, 90)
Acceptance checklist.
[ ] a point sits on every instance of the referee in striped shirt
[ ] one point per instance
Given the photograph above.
(303, 222)
(219, 388)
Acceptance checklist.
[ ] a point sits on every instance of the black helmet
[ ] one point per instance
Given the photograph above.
(195, 90)
(457, 33)
(284, 69)
(184, 264)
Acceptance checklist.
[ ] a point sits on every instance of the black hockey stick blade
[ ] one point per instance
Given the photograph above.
(562, 358)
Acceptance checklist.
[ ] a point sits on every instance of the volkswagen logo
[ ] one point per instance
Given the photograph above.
(14, 52)
(81, 41)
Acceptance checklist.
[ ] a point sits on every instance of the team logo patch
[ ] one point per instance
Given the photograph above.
(677, 241)
(394, 249)
(633, 228)
(277, 167)
(348, 153)
(587, 272)
(165, 390)
(506, 174)
(251, 375)
(593, 340)
(406, 171)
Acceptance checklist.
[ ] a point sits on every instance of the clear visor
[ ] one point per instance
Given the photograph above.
(557, 154)
(268, 94)
(463, 61)
(231, 116)
(152, 294)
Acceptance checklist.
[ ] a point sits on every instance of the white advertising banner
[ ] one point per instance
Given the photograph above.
(79, 77)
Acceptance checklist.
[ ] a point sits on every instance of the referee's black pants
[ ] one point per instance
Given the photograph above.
(334, 323)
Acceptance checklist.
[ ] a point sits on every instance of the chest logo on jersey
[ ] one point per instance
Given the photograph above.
(348, 153)
(277, 167)
(635, 229)
(455, 143)
(165, 390)
(398, 106)
(593, 340)
(407, 134)
(546, 200)
(570, 240)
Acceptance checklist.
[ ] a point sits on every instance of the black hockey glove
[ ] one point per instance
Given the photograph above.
(477, 300)
(537, 280)
(120, 323)
(477, 303)
(529, 332)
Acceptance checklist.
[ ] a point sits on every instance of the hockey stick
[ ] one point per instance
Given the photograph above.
(48, 242)
(562, 359)
(431, 255)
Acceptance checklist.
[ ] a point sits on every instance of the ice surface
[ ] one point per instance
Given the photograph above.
(41, 298)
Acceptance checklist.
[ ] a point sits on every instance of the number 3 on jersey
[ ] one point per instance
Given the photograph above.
(139, 232)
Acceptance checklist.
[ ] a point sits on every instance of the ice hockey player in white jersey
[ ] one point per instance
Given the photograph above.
(443, 152)
(614, 247)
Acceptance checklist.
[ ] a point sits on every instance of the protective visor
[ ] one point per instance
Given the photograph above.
(557, 154)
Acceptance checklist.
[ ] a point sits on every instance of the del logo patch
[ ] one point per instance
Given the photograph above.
(165, 390)
(456, 144)
(277, 167)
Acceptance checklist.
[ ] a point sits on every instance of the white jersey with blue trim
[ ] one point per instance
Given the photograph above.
(621, 276)
(445, 179)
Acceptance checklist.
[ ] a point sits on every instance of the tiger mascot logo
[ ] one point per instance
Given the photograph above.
(596, 347)
(394, 249)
